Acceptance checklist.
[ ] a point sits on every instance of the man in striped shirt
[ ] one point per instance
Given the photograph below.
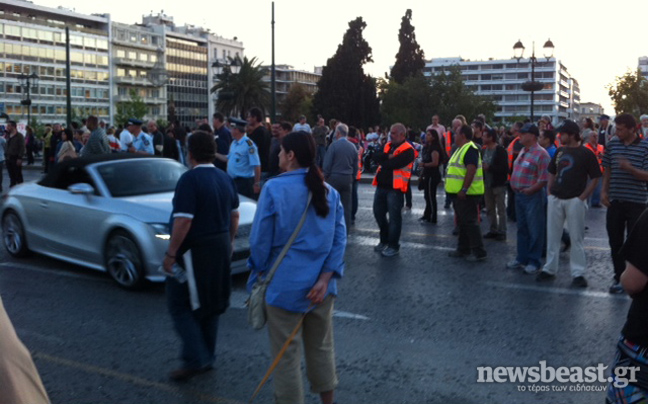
(624, 187)
(528, 181)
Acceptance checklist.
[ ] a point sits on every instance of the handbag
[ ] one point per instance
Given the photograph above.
(256, 301)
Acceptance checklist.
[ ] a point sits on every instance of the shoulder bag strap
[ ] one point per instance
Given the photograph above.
(292, 238)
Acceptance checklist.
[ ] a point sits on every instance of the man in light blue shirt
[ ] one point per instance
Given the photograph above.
(243, 162)
(142, 143)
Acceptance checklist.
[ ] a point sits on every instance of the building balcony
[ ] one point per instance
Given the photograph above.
(141, 81)
(146, 100)
(132, 62)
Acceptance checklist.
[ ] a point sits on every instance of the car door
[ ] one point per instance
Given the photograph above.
(75, 220)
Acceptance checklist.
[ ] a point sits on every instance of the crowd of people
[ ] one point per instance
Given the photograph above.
(542, 177)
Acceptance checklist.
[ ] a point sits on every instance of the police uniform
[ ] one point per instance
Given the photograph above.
(242, 158)
(143, 143)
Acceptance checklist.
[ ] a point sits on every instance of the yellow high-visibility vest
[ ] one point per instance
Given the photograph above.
(457, 172)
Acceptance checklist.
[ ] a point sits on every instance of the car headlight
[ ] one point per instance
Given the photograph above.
(161, 230)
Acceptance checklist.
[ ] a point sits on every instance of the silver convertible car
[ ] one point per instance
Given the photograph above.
(109, 213)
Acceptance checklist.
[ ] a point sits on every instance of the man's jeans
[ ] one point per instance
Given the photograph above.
(198, 333)
(531, 224)
(389, 201)
(621, 217)
(572, 211)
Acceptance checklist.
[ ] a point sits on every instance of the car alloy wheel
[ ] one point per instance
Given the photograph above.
(13, 235)
(123, 260)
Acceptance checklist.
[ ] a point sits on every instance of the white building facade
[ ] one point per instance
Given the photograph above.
(32, 40)
(643, 66)
(502, 81)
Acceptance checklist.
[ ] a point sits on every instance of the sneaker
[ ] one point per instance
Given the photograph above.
(500, 237)
(616, 288)
(476, 258)
(579, 282)
(514, 265)
(544, 276)
(380, 247)
(457, 254)
(530, 269)
(389, 252)
(490, 234)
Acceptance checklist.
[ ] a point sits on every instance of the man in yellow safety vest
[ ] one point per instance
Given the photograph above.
(465, 185)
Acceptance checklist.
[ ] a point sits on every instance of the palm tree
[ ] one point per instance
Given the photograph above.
(237, 93)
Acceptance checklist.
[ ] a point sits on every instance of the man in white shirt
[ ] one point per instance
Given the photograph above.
(126, 138)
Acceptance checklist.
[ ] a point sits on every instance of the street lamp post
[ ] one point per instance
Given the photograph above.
(532, 86)
(27, 81)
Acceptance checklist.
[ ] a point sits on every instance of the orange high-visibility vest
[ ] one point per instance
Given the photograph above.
(448, 143)
(360, 163)
(510, 151)
(401, 175)
(598, 153)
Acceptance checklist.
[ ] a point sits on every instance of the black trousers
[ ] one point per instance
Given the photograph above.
(430, 185)
(245, 186)
(470, 238)
(14, 170)
(620, 219)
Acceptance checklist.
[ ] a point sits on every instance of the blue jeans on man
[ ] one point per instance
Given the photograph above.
(531, 227)
(389, 201)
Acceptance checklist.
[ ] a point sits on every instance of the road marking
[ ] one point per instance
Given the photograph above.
(555, 290)
(138, 381)
(63, 273)
(239, 297)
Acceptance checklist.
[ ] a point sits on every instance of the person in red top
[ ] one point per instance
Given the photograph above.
(590, 141)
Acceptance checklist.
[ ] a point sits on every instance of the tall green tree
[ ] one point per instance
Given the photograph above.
(298, 101)
(237, 93)
(629, 93)
(344, 91)
(409, 103)
(133, 108)
(410, 59)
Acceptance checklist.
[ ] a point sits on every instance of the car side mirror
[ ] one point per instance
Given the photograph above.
(81, 189)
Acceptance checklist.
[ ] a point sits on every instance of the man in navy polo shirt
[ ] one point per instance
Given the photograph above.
(204, 222)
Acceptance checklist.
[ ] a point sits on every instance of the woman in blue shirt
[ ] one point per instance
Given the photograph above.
(305, 281)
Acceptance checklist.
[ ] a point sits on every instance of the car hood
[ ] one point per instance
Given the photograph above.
(158, 207)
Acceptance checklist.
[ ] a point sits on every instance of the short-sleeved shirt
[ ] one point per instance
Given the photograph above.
(634, 251)
(242, 158)
(530, 167)
(623, 185)
(206, 195)
(125, 139)
(143, 143)
(261, 138)
(572, 166)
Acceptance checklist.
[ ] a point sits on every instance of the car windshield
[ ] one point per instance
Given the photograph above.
(140, 177)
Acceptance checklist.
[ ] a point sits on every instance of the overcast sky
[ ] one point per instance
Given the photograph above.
(596, 41)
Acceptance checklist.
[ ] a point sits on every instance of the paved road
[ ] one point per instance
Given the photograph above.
(411, 329)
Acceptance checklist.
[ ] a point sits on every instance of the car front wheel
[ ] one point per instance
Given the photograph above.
(13, 235)
(124, 260)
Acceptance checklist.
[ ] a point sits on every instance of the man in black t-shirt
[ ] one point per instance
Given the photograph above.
(570, 170)
(261, 137)
(633, 344)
